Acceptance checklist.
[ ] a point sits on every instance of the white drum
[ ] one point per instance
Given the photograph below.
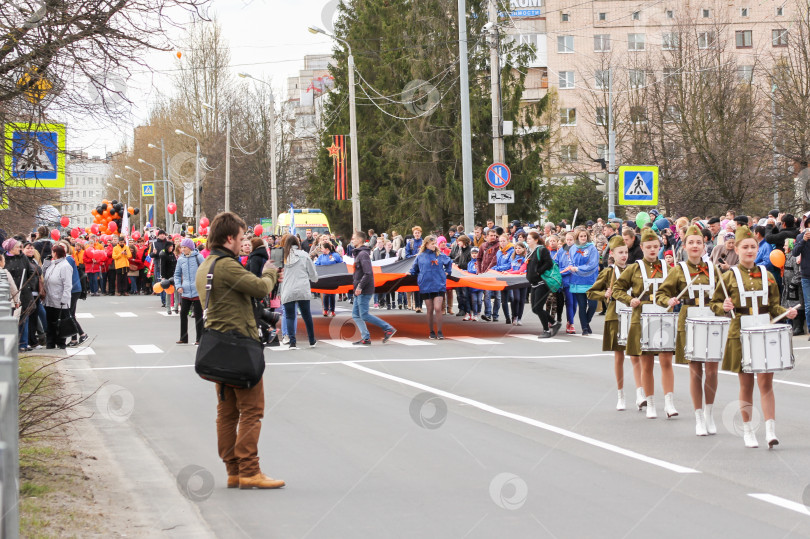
(658, 331)
(767, 348)
(625, 315)
(706, 338)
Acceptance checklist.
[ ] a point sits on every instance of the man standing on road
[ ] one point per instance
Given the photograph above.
(308, 241)
(363, 280)
(158, 245)
(487, 259)
(230, 310)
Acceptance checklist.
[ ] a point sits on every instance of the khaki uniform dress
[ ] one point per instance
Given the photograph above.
(610, 335)
(752, 281)
(699, 295)
(631, 285)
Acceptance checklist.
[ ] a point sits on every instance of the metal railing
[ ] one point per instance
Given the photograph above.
(9, 416)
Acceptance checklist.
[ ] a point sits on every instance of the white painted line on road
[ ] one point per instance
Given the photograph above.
(592, 336)
(407, 341)
(530, 337)
(86, 351)
(145, 349)
(473, 340)
(126, 314)
(529, 421)
(391, 360)
(782, 502)
(84, 315)
(340, 343)
(775, 380)
(801, 347)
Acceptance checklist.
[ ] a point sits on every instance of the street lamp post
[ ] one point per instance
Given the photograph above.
(129, 188)
(140, 193)
(117, 189)
(196, 181)
(227, 157)
(165, 177)
(273, 180)
(155, 180)
(352, 130)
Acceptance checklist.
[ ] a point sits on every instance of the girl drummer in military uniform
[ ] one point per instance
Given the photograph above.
(750, 290)
(602, 290)
(699, 278)
(638, 286)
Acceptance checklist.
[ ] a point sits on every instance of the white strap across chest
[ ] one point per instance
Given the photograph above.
(756, 296)
(617, 272)
(654, 282)
(702, 290)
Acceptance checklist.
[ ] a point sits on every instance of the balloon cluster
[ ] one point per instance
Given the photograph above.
(107, 217)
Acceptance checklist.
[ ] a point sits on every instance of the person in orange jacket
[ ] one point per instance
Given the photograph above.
(121, 255)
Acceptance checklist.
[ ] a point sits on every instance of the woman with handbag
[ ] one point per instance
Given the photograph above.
(185, 274)
(58, 285)
(20, 269)
(295, 289)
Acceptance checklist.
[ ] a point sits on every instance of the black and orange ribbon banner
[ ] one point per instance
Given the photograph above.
(337, 151)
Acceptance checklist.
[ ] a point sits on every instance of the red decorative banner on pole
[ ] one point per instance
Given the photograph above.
(338, 153)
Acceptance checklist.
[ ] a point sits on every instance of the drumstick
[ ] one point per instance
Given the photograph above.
(781, 316)
(725, 291)
(678, 297)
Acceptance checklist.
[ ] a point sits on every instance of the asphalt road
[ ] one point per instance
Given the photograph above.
(489, 433)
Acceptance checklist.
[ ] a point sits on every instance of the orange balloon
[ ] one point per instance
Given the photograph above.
(778, 258)
(94, 212)
(106, 214)
(131, 210)
(169, 290)
(179, 54)
(105, 201)
(157, 289)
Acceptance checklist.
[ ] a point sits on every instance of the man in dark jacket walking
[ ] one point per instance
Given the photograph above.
(776, 234)
(363, 281)
(487, 258)
(802, 248)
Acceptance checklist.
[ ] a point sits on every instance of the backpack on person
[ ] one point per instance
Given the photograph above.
(552, 276)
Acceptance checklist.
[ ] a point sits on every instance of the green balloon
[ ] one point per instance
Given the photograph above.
(642, 219)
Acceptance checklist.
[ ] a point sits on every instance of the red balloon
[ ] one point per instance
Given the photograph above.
(94, 228)
(89, 253)
(55, 235)
(112, 227)
(203, 230)
(64, 221)
(101, 256)
(172, 207)
(257, 230)
(75, 233)
(136, 235)
(204, 222)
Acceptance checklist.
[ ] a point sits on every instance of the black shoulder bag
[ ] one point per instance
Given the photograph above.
(228, 358)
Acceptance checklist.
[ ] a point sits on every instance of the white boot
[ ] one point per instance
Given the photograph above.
(700, 423)
(620, 403)
(770, 433)
(707, 414)
(641, 400)
(749, 436)
(669, 405)
(651, 414)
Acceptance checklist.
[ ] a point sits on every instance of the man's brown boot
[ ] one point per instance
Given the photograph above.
(260, 481)
(233, 481)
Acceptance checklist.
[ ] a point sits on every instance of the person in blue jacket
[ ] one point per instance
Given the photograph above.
(328, 257)
(563, 260)
(503, 263)
(476, 294)
(584, 269)
(432, 268)
(412, 247)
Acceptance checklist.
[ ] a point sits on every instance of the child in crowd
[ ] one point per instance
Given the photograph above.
(669, 258)
(476, 295)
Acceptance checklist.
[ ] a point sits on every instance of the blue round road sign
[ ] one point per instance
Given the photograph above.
(498, 175)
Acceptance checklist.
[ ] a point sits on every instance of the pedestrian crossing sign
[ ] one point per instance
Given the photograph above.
(638, 185)
(34, 155)
(148, 190)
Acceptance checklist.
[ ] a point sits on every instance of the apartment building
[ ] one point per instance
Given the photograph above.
(85, 187)
(582, 46)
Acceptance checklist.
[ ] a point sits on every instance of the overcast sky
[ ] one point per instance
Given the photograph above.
(267, 38)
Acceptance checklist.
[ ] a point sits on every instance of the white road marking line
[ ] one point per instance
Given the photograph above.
(407, 341)
(801, 347)
(529, 421)
(782, 502)
(126, 314)
(473, 340)
(592, 336)
(86, 351)
(340, 343)
(84, 315)
(391, 360)
(531, 337)
(775, 380)
(145, 349)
